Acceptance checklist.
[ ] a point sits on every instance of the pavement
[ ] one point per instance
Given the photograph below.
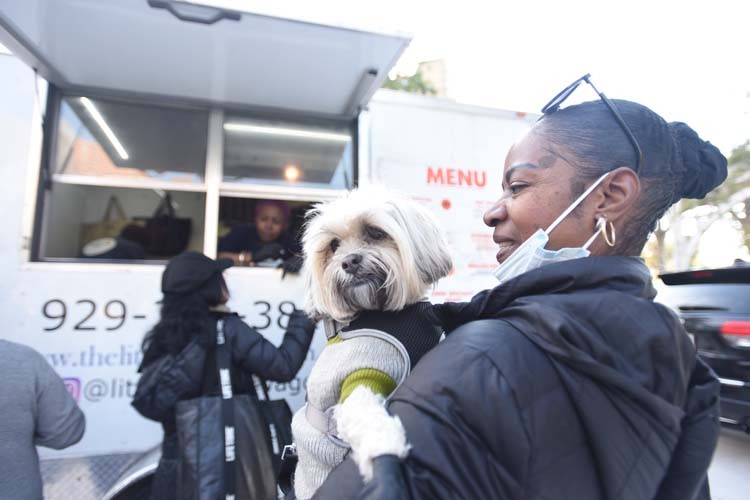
(729, 475)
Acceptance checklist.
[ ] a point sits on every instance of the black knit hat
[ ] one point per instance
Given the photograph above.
(189, 271)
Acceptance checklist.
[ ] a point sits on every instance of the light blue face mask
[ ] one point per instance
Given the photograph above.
(532, 254)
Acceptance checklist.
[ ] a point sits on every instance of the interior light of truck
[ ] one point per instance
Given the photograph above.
(736, 333)
(99, 119)
(247, 128)
(291, 173)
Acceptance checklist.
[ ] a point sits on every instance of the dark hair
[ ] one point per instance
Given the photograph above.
(676, 162)
(183, 318)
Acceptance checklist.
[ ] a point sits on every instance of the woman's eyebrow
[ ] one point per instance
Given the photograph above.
(514, 168)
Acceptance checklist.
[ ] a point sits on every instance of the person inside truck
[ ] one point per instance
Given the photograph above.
(566, 380)
(179, 356)
(266, 242)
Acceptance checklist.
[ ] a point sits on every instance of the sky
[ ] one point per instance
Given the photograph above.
(687, 60)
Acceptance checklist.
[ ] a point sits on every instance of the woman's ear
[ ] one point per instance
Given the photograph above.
(618, 193)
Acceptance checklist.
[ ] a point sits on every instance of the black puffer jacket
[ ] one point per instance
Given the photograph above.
(567, 382)
(193, 373)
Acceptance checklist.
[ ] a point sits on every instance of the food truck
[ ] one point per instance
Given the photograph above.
(175, 119)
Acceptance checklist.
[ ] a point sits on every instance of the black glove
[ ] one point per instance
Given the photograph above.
(269, 251)
(292, 265)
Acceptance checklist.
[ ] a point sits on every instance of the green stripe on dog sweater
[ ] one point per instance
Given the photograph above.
(375, 380)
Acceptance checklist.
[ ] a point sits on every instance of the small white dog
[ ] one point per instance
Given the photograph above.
(370, 258)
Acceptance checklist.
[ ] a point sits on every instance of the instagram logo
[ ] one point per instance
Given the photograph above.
(73, 385)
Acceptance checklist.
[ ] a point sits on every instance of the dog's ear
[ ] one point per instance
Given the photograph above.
(311, 298)
(428, 242)
(434, 263)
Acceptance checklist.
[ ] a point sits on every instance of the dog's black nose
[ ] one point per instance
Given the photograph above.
(350, 264)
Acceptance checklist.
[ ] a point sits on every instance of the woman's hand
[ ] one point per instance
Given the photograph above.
(243, 258)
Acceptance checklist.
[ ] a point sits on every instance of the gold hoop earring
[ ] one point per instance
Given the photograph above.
(610, 239)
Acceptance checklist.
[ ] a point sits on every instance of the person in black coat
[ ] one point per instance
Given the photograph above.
(194, 297)
(566, 381)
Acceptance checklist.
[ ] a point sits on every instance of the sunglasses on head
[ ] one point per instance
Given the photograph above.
(556, 101)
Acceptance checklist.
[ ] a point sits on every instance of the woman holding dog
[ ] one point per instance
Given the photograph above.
(567, 380)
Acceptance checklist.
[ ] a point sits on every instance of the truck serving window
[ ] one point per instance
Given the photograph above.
(125, 181)
(267, 231)
(276, 169)
(281, 152)
(98, 138)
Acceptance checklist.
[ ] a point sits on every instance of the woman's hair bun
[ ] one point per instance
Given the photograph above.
(698, 163)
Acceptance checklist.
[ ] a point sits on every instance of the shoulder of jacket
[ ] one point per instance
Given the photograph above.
(229, 317)
(485, 354)
(485, 331)
(500, 342)
(20, 350)
(240, 333)
(26, 360)
(233, 323)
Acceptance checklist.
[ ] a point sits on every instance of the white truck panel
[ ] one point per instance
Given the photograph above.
(89, 319)
(449, 157)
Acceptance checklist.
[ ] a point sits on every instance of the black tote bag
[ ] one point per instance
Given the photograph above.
(228, 444)
(168, 234)
(278, 417)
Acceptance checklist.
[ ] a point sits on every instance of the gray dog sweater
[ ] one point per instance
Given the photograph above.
(407, 330)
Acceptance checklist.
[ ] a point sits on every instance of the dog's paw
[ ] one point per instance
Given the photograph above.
(364, 423)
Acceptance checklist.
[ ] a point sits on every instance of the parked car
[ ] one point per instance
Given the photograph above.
(714, 305)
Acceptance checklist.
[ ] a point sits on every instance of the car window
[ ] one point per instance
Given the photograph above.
(731, 298)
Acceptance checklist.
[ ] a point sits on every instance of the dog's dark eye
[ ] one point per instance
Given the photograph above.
(375, 233)
(334, 245)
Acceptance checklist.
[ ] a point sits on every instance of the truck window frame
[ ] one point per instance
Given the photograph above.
(213, 185)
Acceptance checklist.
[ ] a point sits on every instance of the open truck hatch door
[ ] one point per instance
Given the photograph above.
(183, 51)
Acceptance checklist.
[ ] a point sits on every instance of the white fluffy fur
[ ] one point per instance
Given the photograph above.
(397, 270)
(364, 423)
(403, 252)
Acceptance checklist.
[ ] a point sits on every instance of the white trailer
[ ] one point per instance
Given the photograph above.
(132, 99)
